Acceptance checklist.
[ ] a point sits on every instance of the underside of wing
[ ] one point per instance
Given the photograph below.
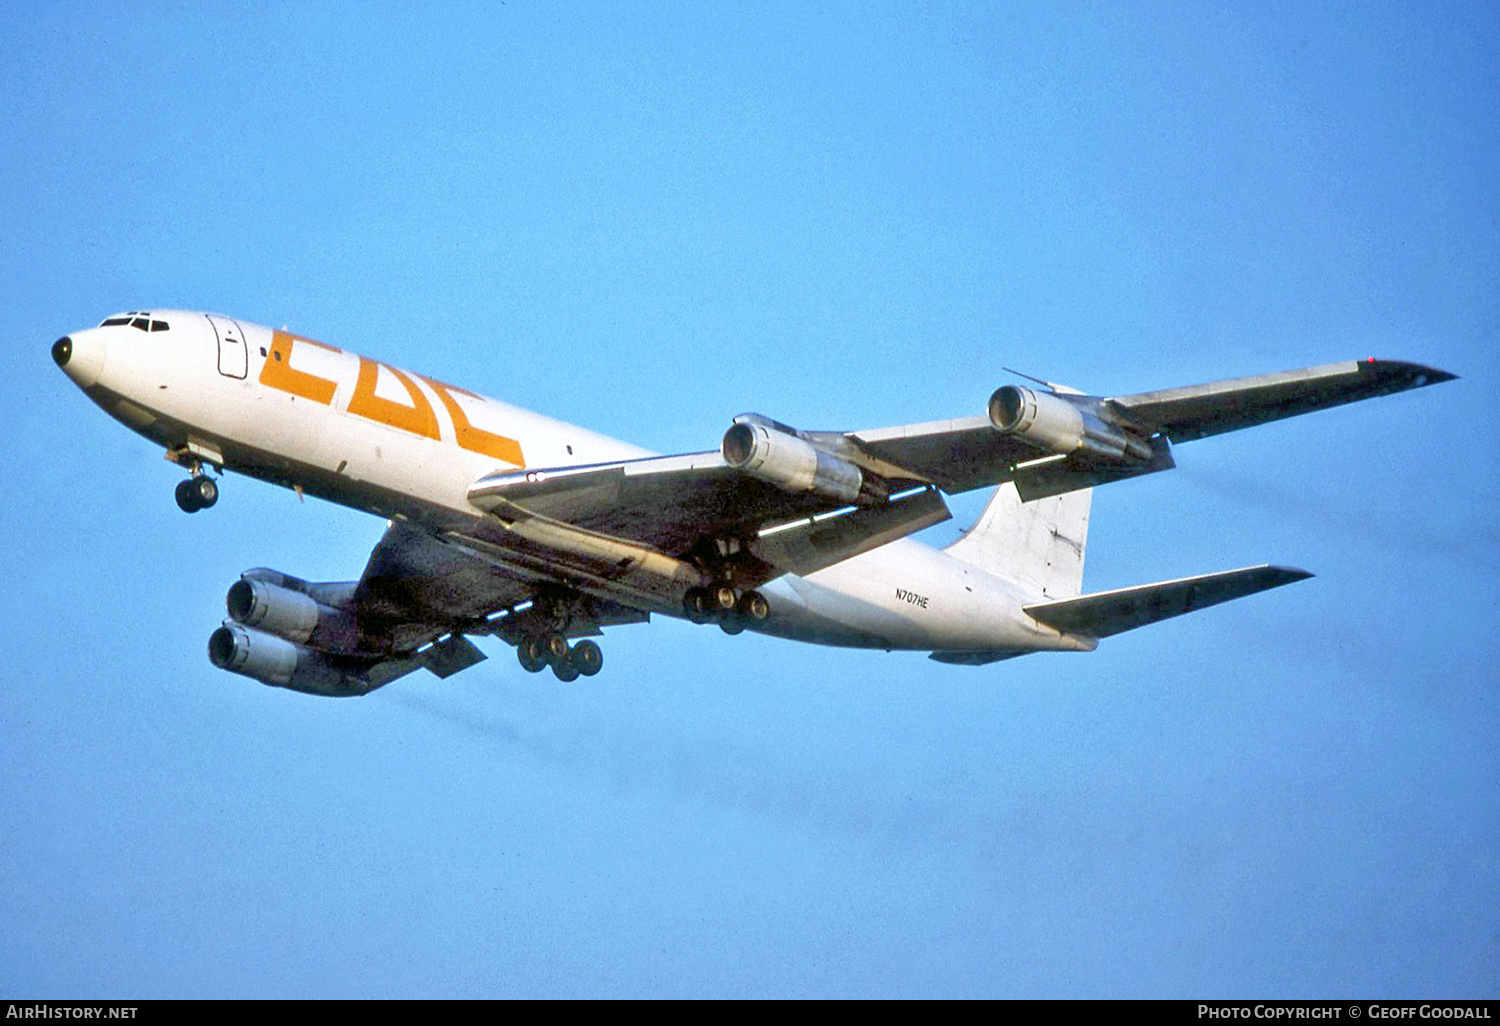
(1051, 442)
(411, 610)
(417, 586)
(697, 509)
(413, 577)
(666, 502)
(956, 455)
(1184, 414)
(754, 509)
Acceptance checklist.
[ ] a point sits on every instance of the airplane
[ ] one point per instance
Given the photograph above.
(506, 523)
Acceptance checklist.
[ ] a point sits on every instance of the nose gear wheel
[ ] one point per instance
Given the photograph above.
(199, 492)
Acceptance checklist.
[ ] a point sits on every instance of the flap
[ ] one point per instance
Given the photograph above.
(1054, 475)
(956, 455)
(666, 502)
(413, 577)
(450, 655)
(813, 544)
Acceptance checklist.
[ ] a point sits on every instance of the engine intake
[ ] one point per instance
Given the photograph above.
(281, 663)
(1056, 425)
(292, 615)
(762, 450)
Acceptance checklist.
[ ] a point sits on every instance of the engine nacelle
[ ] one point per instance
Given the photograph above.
(289, 614)
(753, 445)
(1052, 423)
(281, 663)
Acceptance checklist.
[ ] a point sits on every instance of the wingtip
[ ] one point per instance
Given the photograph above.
(1290, 574)
(1409, 375)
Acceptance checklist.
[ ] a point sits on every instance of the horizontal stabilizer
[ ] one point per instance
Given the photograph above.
(1106, 613)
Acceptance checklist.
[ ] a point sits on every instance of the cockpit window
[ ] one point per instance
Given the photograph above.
(136, 319)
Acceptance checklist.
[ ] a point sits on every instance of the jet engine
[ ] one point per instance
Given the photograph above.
(1061, 426)
(288, 633)
(281, 663)
(291, 614)
(760, 447)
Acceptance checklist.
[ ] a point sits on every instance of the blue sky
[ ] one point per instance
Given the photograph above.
(647, 219)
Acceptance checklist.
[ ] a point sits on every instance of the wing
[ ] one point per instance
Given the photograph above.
(718, 511)
(1184, 414)
(955, 455)
(700, 509)
(1060, 440)
(418, 587)
(667, 502)
(419, 597)
(414, 578)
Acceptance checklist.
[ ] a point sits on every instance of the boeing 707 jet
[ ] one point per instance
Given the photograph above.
(508, 523)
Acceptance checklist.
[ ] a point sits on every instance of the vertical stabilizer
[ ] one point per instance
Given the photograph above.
(1038, 544)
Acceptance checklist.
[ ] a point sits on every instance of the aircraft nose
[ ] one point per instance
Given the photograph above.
(81, 356)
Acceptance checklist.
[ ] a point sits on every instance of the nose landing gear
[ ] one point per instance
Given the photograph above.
(198, 492)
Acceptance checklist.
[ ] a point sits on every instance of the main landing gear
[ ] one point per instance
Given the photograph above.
(568, 662)
(540, 634)
(720, 603)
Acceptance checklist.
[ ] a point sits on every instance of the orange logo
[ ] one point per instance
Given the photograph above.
(470, 437)
(418, 418)
(277, 371)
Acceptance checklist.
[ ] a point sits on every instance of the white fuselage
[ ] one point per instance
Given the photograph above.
(299, 413)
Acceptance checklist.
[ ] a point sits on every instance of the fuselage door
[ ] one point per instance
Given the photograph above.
(234, 358)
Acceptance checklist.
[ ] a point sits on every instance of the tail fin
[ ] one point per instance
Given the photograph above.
(1038, 544)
